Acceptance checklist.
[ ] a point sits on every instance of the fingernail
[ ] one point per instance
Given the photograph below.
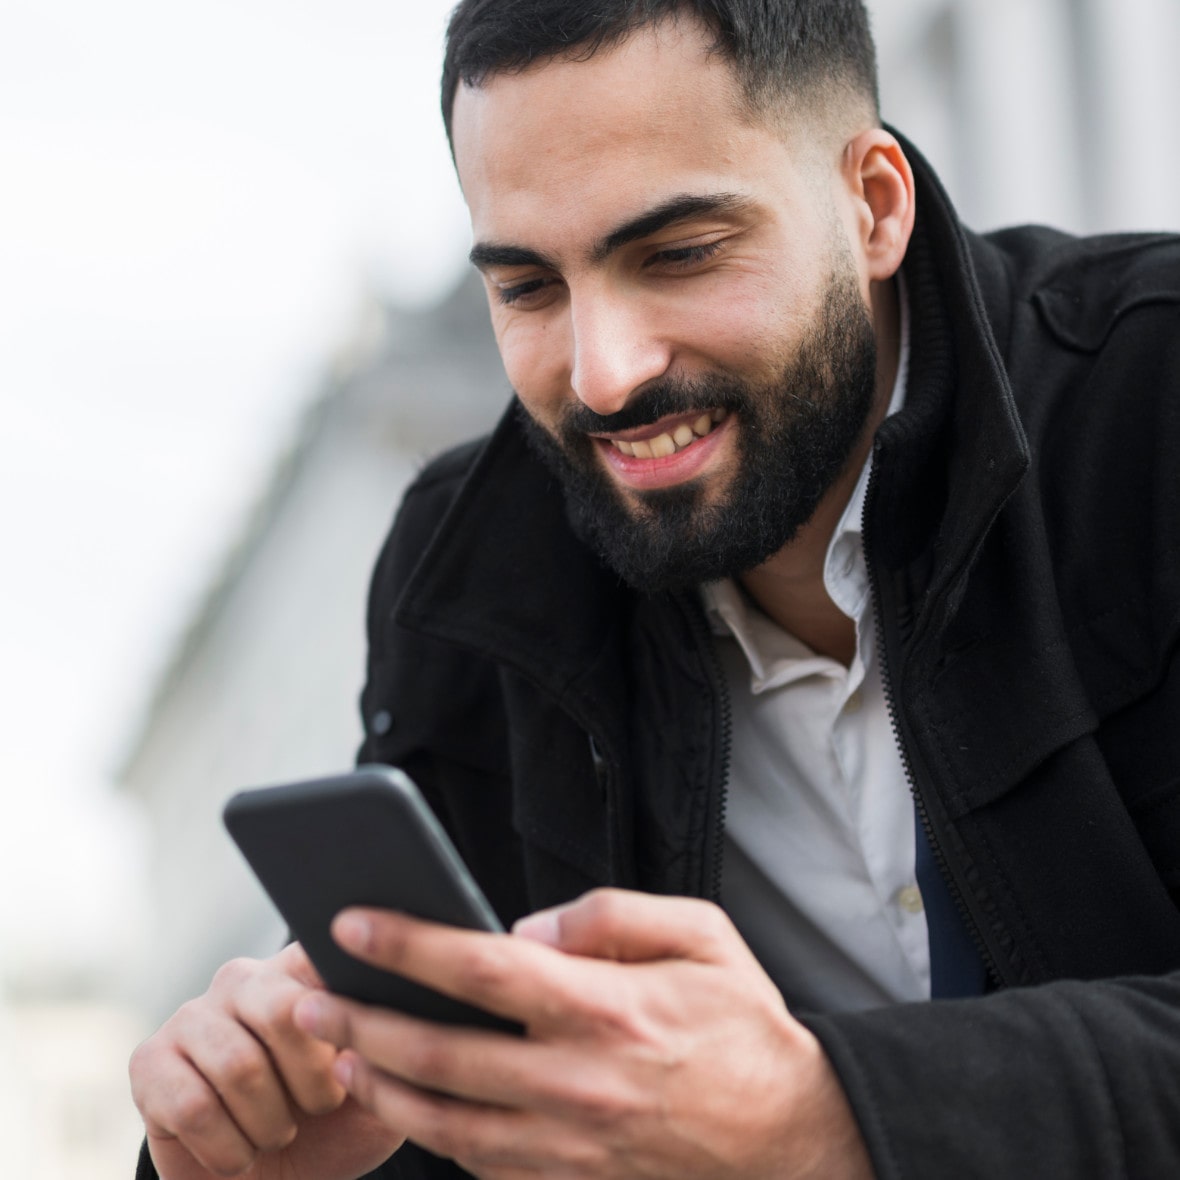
(352, 930)
(344, 1070)
(543, 926)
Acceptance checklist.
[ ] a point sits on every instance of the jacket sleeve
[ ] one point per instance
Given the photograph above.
(1065, 1081)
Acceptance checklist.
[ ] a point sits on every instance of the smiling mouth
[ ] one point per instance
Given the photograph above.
(662, 439)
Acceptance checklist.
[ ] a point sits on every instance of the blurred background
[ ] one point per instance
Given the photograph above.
(234, 318)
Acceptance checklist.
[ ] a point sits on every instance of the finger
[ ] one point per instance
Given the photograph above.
(637, 927)
(237, 1067)
(483, 1139)
(510, 977)
(294, 961)
(261, 998)
(473, 1064)
(184, 1115)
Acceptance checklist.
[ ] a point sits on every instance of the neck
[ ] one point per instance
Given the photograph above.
(789, 587)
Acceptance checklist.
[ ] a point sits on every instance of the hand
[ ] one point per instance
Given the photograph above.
(229, 1086)
(656, 1046)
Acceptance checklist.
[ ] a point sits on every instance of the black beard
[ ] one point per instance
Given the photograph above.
(795, 436)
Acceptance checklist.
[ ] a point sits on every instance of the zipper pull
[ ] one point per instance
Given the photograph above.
(601, 769)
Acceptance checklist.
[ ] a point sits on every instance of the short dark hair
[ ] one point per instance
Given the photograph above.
(779, 49)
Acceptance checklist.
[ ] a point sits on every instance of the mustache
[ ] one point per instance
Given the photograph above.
(651, 404)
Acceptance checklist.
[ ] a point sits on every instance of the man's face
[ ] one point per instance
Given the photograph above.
(675, 302)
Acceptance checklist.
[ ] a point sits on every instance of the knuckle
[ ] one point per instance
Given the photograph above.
(141, 1066)
(190, 1013)
(388, 942)
(714, 919)
(278, 1137)
(233, 975)
(605, 918)
(194, 1112)
(605, 907)
(244, 1068)
(613, 1023)
(273, 1009)
(153, 1074)
(601, 1107)
(560, 1003)
(428, 1061)
(486, 967)
(293, 960)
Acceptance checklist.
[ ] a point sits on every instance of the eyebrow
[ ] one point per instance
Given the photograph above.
(678, 208)
(669, 212)
(485, 254)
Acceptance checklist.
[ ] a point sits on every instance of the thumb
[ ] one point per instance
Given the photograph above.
(632, 927)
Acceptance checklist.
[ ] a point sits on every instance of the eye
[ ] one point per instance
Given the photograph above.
(685, 256)
(523, 294)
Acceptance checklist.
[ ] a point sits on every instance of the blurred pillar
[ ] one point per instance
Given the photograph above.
(1128, 54)
(1017, 136)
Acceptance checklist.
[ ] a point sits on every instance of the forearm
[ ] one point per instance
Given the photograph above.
(1068, 1080)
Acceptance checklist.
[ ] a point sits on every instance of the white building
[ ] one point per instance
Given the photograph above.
(264, 687)
(64, 1106)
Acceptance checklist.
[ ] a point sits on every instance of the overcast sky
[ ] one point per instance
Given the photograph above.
(196, 198)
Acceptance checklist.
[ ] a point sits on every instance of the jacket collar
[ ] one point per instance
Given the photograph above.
(505, 576)
(955, 453)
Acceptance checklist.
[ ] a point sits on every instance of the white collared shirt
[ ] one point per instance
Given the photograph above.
(819, 853)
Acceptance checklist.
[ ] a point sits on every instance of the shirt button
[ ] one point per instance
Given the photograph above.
(854, 702)
(381, 723)
(910, 899)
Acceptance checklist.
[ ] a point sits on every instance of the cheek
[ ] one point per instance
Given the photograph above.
(747, 329)
(535, 358)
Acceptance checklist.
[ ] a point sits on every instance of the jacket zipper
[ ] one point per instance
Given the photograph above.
(720, 797)
(940, 859)
(605, 777)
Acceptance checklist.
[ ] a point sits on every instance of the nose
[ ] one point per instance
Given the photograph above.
(615, 351)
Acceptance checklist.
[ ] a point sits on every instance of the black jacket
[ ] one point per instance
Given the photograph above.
(1023, 538)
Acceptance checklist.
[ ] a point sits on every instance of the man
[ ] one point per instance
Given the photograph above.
(829, 570)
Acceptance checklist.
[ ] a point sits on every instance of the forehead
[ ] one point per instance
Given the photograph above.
(573, 146)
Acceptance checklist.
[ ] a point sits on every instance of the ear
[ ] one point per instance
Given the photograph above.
(880, 182)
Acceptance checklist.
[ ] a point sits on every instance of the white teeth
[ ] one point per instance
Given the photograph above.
(662, 446)
(669, 443)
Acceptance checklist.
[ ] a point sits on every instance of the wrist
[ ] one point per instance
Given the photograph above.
(836, 1149)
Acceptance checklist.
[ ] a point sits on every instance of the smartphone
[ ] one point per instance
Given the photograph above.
(364, 838)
